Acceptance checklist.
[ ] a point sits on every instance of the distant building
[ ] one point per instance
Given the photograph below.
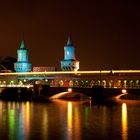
(22, 64)
(43, 69)
(69, 63)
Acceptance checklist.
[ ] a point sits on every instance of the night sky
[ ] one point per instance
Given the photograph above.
(106, 34)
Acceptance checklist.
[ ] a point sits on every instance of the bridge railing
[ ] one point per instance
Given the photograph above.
(74, 86)
(28, 86)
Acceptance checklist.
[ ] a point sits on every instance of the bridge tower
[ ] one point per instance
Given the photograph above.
(69, 63)
(22, 64)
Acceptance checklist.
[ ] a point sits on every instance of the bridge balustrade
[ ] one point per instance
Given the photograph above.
(106, 83)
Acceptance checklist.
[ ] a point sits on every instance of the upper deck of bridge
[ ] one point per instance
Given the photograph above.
(73, 72)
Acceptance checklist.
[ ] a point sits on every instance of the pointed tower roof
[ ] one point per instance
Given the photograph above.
(22, 46)
(69, 42)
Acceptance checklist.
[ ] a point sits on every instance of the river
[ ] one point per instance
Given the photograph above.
(69, 120)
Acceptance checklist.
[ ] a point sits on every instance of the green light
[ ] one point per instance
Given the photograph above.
(11, 124)
(11, 82)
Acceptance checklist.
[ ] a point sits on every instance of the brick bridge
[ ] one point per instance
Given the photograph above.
(97, 92)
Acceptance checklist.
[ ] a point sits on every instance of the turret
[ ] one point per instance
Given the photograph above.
(69, 50)
(22, 64)
(69, 63)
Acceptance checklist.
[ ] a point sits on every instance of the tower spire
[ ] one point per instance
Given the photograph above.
(22, 46)
(69, 42)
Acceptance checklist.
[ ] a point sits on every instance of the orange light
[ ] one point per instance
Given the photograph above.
(124, 122)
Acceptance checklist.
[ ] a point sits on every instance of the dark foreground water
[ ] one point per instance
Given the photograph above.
(66, 120)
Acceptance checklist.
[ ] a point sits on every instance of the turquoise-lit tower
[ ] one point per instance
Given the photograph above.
(22, 64)
(69, 63)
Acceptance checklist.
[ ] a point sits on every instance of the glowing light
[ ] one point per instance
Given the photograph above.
(28, 86)
(124, 91)
(20, 83)
(68, 52)
(76, 66)
(69, 89)
(11, 81)
(16, 85)
(55, 72)
(59, 95)
(124, 121)
(71, 72)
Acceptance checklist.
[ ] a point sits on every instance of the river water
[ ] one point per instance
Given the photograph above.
(69, 120)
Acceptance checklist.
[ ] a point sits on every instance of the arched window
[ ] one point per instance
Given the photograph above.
(20, 83)
(137, 84)
(104, 83)
(76, 83)
(131, 84)
(125, 83)
(11, 83)
(119, 83)
(61, 83)
(92, 83)
(70, 83)
(111, 84)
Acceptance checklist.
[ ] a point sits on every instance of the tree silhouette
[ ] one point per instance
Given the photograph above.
(8, 63)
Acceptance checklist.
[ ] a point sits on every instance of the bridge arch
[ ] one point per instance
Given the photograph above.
(104, 83)
(111, 83)
(70, 83)
(137, 83)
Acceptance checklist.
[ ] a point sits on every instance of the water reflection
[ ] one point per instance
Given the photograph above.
(45, 124)
(77, 123)
(11, 124)
(73, 121)
(124, 122)
(68, 120)
(18, 120)
(26, 107)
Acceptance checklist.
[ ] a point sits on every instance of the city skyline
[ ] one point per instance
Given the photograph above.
(105, 34)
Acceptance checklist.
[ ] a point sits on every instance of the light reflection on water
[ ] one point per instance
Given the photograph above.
(68, 120)
(124, 121)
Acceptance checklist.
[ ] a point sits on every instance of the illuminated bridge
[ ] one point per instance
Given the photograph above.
(88, 79)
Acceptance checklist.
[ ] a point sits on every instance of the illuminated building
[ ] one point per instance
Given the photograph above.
(22, 64)
(69, 63)
(43, 69)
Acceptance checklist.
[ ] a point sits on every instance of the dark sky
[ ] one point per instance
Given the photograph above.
(106, 34)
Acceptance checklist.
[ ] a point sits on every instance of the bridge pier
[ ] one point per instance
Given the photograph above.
(40, 89)
(97, 93)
